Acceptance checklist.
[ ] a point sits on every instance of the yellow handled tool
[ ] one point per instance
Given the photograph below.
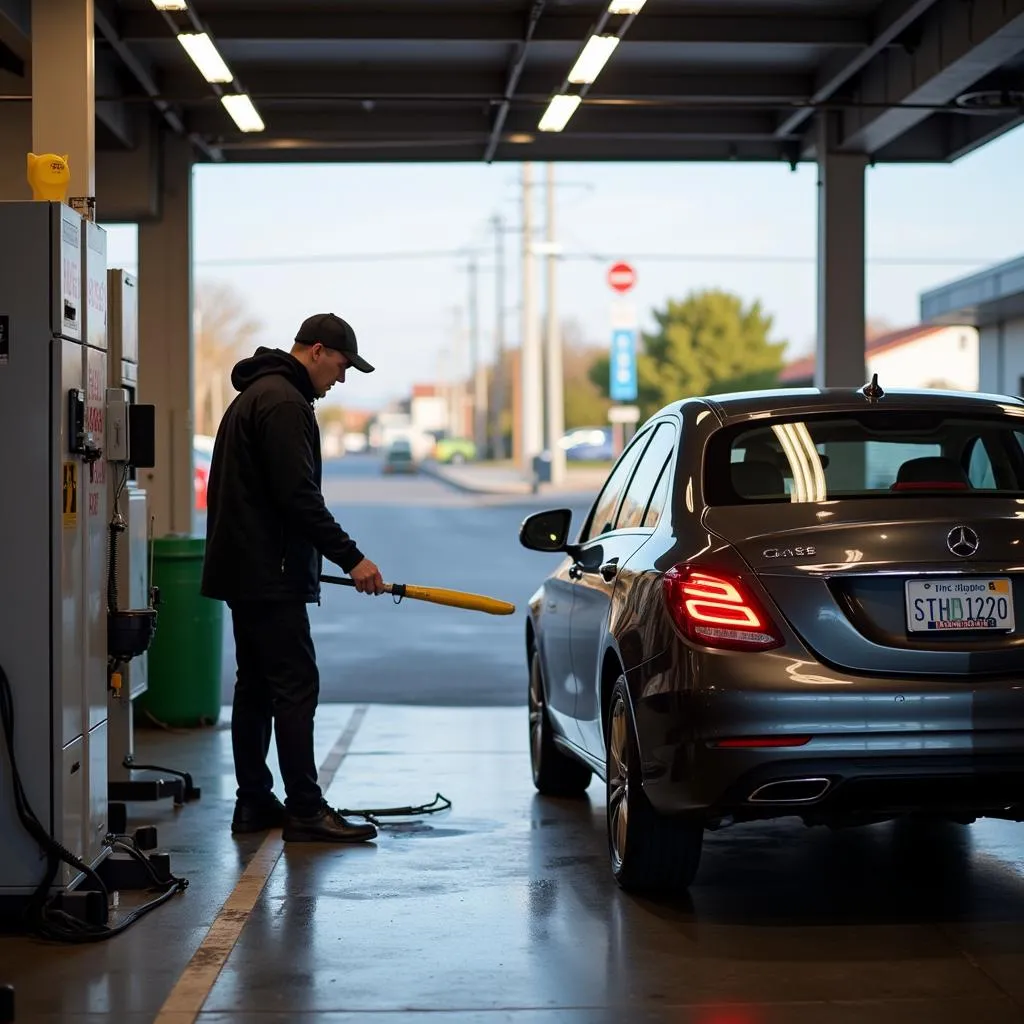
(438, 595)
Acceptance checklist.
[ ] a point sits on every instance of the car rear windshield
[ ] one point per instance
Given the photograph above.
(866, 455)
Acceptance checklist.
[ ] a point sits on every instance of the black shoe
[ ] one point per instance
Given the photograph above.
(327, 826)
(251, 816)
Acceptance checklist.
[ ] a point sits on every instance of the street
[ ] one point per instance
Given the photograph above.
(420, 530)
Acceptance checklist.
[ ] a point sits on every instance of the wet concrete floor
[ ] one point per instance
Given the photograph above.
(503, 909)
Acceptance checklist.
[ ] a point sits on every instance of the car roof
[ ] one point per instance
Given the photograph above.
(788, 401)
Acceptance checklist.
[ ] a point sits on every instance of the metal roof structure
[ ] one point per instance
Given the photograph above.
(469, 80)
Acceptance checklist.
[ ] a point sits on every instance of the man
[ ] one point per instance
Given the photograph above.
(268, 531)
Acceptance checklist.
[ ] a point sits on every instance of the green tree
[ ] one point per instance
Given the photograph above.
(709, 343)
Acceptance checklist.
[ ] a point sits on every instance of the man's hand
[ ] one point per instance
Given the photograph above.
(367, 578)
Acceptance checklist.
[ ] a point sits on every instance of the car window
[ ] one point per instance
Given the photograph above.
(980, 471)
(641, 487)
(871, 454)
(603, 516)
(660, 497)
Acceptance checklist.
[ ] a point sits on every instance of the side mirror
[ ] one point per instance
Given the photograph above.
(546, 531)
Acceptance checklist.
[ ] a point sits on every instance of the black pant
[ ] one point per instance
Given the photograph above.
(278, 685)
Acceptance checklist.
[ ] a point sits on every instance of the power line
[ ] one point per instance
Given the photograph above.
(648, 257)
(722, 257)
(337, 257)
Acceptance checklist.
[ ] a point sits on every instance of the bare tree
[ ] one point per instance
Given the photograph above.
(224, 333)
(876, 326)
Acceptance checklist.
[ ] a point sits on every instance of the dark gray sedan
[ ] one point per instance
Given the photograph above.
(787, 603)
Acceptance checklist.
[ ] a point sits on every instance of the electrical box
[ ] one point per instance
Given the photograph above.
(52, 518)
(138, 451)
(116, 446)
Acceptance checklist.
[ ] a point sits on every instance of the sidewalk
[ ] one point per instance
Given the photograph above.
(506, 478)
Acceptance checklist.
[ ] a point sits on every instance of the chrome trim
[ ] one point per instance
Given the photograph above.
(755, 798)
(963, 542)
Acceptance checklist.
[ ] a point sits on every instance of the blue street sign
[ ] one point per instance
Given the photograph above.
(623, 384)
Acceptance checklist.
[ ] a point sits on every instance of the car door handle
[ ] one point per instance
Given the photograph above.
(609, 570)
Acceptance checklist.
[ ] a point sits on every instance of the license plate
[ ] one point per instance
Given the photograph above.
(941, 606)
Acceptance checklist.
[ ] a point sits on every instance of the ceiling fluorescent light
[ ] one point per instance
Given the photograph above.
(243, 112)
(594, 57)
(625, 6)
(170, 5)
(199, 46)
(560, 109)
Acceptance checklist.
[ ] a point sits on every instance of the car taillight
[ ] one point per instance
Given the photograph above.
(717, 610)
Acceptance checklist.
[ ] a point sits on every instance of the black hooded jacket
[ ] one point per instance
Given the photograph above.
(268, 529)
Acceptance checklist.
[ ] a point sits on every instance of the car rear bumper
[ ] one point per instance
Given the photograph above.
(863, 747)
(743, 786)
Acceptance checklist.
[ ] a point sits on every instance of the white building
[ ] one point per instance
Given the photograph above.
(993, 302)
(925, 356)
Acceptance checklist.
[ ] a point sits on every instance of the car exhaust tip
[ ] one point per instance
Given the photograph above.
(790, 791)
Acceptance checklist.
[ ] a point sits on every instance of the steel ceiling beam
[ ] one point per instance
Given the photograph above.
(967, 134)
(563, 150)
(513, 74)
(303, 25)
(423, 124)
(947, 137)
(960, 43)
(324, 83)
(891, 20)
(107, 28)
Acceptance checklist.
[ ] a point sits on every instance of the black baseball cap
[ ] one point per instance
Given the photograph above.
(332, 332)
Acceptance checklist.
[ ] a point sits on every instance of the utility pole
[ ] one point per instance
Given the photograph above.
(497, 434)
(531, 390)
(479, 369)
(457, 388)
(555, 377)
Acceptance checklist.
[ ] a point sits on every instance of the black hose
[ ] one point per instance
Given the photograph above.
(40, 916)
(112, 569)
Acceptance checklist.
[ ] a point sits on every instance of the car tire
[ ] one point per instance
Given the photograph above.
(650, 853)
(554, 773)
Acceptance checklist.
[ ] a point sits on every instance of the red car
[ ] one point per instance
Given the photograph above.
(201, 458)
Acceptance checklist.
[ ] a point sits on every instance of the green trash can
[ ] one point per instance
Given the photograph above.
(187, 650)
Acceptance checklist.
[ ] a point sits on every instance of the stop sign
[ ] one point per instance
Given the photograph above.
(622, 277)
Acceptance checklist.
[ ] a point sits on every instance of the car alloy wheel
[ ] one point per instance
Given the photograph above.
(618, 783)
(650, 853)
(555, 773)
(537, 715)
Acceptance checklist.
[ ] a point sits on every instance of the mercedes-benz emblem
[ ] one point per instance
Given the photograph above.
(962, 541)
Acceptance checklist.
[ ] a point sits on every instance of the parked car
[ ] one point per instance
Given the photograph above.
(588, 444)
(399, 457)
(454, 450)
(202, 456)
(786, 603)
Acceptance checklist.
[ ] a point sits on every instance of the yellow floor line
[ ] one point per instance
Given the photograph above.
(196, 983)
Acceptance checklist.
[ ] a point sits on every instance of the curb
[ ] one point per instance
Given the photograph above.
(438, 473)
(522, 489)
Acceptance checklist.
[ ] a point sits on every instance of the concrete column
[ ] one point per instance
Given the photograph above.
(553, 350)
(64, 87)
(165, 340)
(840, 347)
(531, 389)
